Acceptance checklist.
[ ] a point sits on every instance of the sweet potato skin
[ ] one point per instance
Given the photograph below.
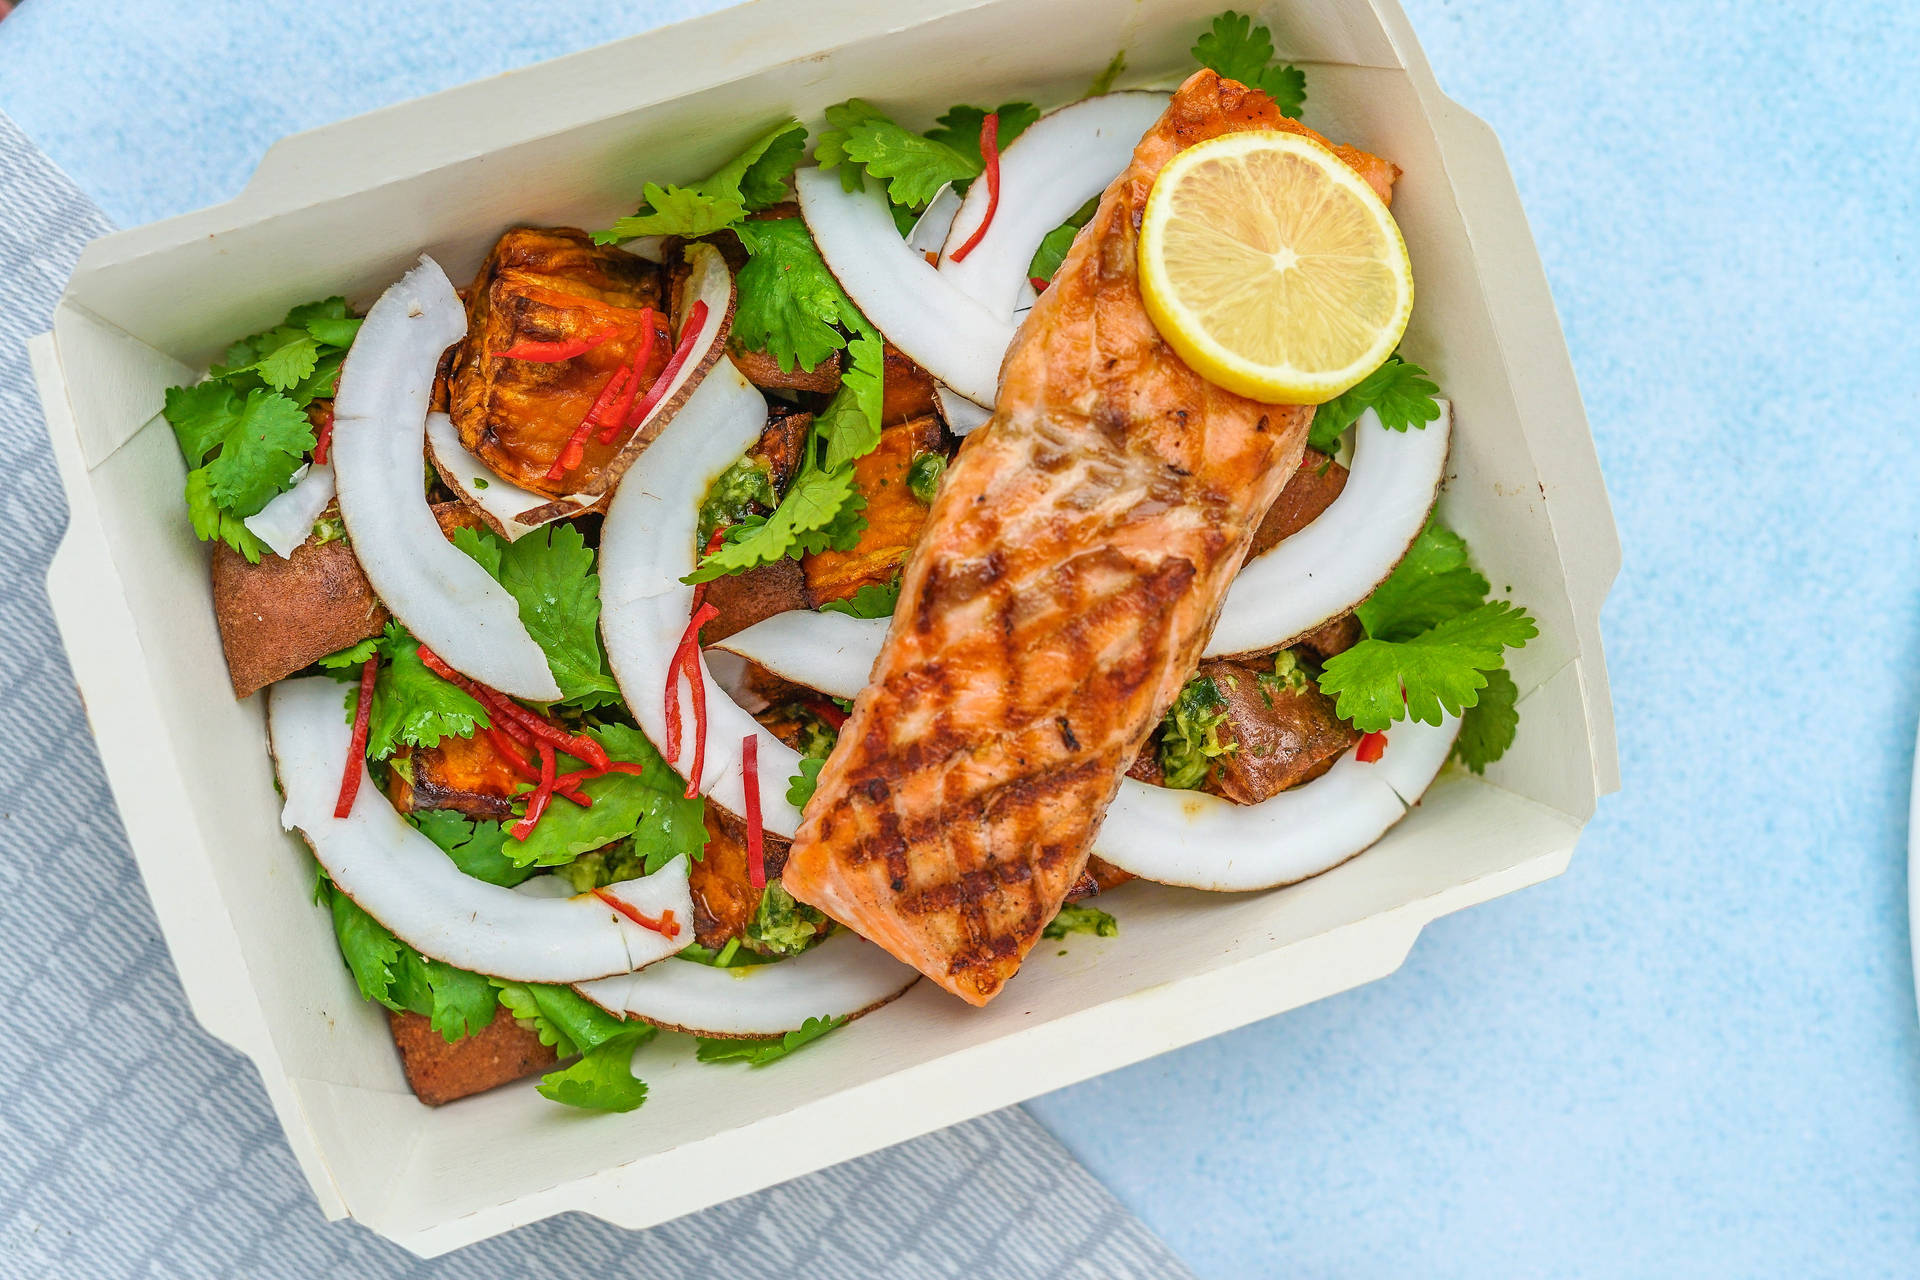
(1310, 490)
(467, 775)
(278, 616)
(439, 1073)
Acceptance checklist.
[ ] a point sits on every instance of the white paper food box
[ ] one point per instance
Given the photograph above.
(346, 208)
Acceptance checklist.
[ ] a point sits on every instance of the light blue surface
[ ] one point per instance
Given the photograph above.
(1694, 1054)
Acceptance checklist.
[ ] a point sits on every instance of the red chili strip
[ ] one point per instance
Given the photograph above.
(1039, 285)
(750, 775)
(690, 667)
(357, 744)
(540, 728)
(1371, 748)
(827, 709)
(538, 798)
(554, 352)
(323, 433)
(703, 614)
(696, 320)
(990, 152)
(665, 926)
(579, 776)
(617, 412)
(566, 785)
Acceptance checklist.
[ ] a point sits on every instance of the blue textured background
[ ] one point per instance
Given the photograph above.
(1696, 1052)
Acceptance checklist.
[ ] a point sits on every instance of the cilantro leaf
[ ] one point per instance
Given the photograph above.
(801, 786)
(753, 180)
(603, 1079)
(566, 1021)
(789, 303)
(353, 657)
(1490, 725)
(477, 848)
(1054, 245)
(1432, 582)
(1443, 669)
(959, 128)
(261, 438)
(850, 424)
(1399, 391)
(550, 573)
(371, 952)
(821, 510)
(871, 600)
(913, 166)
(411, 705)
(650, 807)
(830, 150)
(1241, 51)
(460, 1004)
(1076, 917)
(758, 1053)
(211, 523)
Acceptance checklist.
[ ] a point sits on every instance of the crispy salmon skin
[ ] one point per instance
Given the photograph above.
(1069, 575)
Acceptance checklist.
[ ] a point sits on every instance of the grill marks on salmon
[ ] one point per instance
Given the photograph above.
(1071, 570)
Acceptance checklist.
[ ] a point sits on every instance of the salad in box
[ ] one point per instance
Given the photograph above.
(844, 569)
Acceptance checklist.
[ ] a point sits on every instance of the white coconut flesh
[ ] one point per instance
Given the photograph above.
(930, 229)
(1203, 842)
(287, 521)
(403, 880)
(961, 415)
(947, 333)
(379, 436)
(830, 652)
(646, 546)
(500, 502)
(842, 977)
(1057, 164)
(1334, 563)
(708, 280)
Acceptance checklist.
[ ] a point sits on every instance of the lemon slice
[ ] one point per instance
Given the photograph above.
(1273, 268)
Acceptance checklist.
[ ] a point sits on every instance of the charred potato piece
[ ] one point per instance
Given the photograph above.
(906, 389)
(746, 598)
(551, 285)
(763, 371)
(724, 898)
(1310, 490)
(278, 616)
(1099, 877)
(466, 775)
(1283, 733)
(500, 1053)
(894, 515)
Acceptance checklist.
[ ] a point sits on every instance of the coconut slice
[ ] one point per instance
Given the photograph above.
(287, 521)
(709, 281)
(1061, 161)
(930, 230)
(646, 547)
(843, 977)
(403, 880)
(1201, 841)
(830, 652)
(379, 430)
(1334, 563)
(961, 415)
(940, 328)
(500, 502)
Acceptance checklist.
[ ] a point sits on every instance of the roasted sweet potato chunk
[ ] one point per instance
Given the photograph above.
(746, 598)
(438, 1072)
(724, 898)
(551, 285)
(906, 390)
(466, 775)
(1284, 732)
(764, 371)
(1310, 491)
(894, 515)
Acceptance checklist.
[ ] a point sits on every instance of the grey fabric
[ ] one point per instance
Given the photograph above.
(133, 1144)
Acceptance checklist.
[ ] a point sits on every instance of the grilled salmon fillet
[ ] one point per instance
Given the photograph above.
(1070, 572)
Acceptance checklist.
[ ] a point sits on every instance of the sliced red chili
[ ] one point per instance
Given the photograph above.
(1371, 748)
(616, 413)
(323, 433)
(666, 926)
(554, 352)
(990, 152)
(703, 613)
(750, 777)
(509, 749)
(540, 728)
(357, 743)
(827, 709)
(1039, 285)
(696, 320)
(538, 798)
